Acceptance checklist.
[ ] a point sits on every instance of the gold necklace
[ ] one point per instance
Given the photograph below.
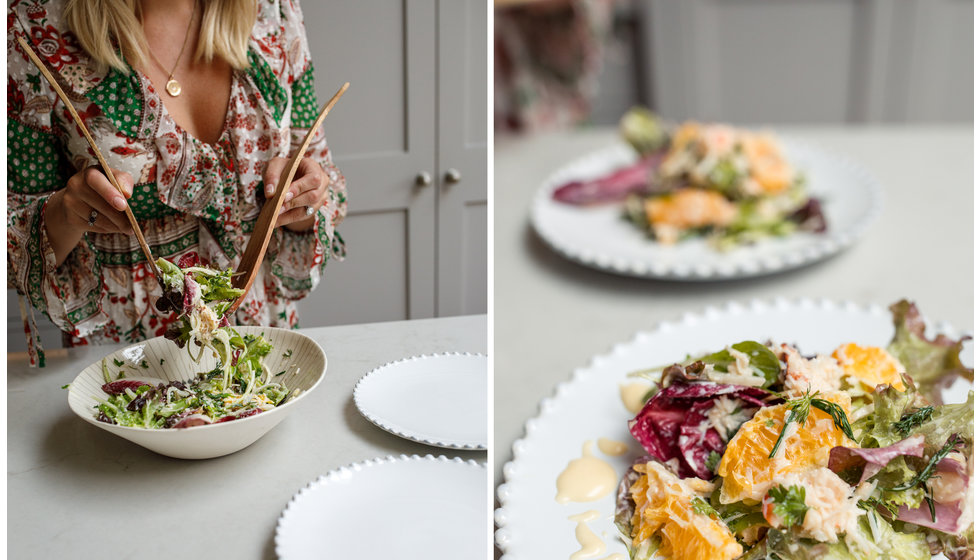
(173, 86)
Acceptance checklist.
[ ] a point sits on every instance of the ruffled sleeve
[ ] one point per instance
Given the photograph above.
(299, 259)
(69, 294)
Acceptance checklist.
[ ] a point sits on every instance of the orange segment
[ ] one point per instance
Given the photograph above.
(690, 208)
(766, 163)
(663, 507)
(871, 365)
(747, 471)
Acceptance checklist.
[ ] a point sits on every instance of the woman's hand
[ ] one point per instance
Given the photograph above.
(307, 193)
(88, 203)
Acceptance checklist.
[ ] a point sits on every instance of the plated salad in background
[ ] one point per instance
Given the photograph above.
(759, 452)
(239, 386)
(727, 185)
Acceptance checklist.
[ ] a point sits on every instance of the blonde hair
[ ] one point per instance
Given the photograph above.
(103, 26)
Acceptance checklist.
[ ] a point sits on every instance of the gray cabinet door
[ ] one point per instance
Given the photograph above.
(382, 135)
(462, 153)
(811, 61)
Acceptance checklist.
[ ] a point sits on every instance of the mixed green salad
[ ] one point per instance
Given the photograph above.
(728, 185)
(758, 452)
(239, 386)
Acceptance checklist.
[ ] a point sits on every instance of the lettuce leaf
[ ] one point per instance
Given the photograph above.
(761, 359)
(896, 545)
(643, 130)
(845, 460)
(945, 421)
(934, 364)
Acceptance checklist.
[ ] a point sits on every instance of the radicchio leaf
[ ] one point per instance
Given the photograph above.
(668, 426)
(119, 387)
(810, 217)
(695, 443)
(616, 186)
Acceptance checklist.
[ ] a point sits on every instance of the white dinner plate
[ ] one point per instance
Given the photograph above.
(598, 236)
(405, 507)
(438, 400)
(532, 525)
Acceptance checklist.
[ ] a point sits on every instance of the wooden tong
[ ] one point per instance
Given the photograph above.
(98, 154)
(248, 267)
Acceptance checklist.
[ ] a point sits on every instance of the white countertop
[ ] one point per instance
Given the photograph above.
(552, 315)
(75, 491)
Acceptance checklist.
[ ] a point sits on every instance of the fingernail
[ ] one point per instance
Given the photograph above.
(282, 209)
(289, 196)
(269, 189)
(119, 203)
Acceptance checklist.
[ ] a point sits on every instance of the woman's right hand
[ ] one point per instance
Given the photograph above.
(88, 203)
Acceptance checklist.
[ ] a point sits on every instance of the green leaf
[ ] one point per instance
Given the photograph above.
(789, 504)
(711, 463)
(762, 361)
(643, 130)
(932, 363)
(702, 507)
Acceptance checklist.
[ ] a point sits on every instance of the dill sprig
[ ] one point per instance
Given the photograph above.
(799, 411)
(912, 420)
(930, 467)
(873, 504)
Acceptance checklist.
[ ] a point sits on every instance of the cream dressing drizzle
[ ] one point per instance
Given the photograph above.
(585, 479)
(632, 395)
(612, 447)
(592, 545)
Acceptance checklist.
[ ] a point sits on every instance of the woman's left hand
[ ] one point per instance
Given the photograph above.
(307, 193)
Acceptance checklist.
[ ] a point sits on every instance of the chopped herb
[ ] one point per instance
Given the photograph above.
(704, 508)
(712, 461)
(799, 411)
(66, 386)
(838, 415)
(144, 365)
(789, 503)
(770, 423)
(930, 467)
(288, 353)
(931, 503)
(912, 420)
(280, 373)
(161, 361)
(118, 363)
(122, 375)
(873, 504)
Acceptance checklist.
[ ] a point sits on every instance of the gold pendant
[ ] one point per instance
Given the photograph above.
(173, 87)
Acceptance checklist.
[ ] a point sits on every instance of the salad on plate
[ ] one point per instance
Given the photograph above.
(728, 185)
(759, 452)
(238, 387)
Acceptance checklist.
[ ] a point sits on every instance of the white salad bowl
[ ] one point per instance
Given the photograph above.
(160, 360)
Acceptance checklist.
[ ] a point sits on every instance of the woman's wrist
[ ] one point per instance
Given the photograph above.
(305, 225)
(62, 236)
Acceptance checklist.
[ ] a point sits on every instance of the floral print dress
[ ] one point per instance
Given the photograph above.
(195, 202)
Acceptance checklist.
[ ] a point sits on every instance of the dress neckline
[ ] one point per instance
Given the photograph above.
(165, 113)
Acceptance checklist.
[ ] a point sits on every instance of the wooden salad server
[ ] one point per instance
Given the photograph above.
(248, 267)
(98, 154)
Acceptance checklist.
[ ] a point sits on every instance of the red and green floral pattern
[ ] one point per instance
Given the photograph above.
(191, 198)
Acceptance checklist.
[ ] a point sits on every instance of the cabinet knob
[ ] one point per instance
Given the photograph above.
(453, 175)
(423, 179)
